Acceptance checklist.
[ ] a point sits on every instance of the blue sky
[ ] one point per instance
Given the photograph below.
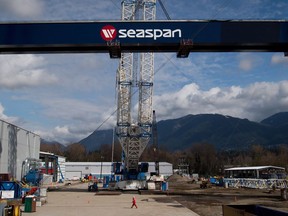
(65, 97)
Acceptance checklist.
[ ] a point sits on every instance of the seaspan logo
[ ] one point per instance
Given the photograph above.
(109, 33)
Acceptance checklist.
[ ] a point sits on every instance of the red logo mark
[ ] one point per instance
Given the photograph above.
(108, 33)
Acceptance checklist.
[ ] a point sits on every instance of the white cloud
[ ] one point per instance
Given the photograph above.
(76, 119)
(2, 115)
(71, 133)
(10, 119)
(279, 59)
(254, 102)
(18, 71)
(248, 61)
(22, 8)
(70, 109)
(82, 10)
(245, 64)
(172, 72)
(62, 134)
(92, 78)
(62, 130)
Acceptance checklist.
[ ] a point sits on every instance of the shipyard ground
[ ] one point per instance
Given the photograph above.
(209, 202)
(75, 200)
(182, 198)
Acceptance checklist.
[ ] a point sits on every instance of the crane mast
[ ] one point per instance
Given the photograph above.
(135, 74)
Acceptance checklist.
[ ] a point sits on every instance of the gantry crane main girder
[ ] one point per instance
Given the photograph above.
(196, 36)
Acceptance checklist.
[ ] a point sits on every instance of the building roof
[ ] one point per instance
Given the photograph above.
(88, 163)
(254, 168)
(160, 163)
(19, 127)
(110, 163)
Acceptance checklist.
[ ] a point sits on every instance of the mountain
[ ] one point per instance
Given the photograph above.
(96, 139)
(43, 141)
(277, 120)
(224, 132)
(51, 146)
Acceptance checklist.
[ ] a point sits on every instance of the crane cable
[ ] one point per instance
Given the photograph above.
(133, 93)
(224, 4)
(116, 5)
(164, 10)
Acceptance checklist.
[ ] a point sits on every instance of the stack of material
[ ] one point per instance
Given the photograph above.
(178, 178)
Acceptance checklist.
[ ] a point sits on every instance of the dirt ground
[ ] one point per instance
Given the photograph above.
(208, 202)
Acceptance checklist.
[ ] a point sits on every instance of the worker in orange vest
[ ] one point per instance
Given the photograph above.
(134, 202)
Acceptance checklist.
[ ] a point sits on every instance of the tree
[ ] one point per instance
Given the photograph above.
(203, 159)
(282, 156)
(257, 152)
(55, 148)
(76, 153)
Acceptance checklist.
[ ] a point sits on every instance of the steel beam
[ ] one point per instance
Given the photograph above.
(144, 36)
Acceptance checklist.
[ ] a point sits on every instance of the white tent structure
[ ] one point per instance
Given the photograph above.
(261, 177)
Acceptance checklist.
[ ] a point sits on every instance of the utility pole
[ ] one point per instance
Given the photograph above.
(155, 143)
(101, 157)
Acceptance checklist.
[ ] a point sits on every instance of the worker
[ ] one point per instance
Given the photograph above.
(134, 202)
(95, 186)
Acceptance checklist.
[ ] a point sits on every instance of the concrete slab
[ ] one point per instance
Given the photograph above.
(77, 201)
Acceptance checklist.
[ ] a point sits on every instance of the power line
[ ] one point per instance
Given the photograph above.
(223, 5)
(164, 10)
(116, 4)
(160, 67)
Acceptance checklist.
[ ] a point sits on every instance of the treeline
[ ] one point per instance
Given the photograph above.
(201, 158)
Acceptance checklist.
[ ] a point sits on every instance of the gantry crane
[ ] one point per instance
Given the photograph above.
(135, 76)
(125, 39)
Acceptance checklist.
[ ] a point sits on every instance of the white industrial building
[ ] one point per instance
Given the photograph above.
(53, 165)
(61, 168)
(76, 170)
(165, 169)
(16, 144)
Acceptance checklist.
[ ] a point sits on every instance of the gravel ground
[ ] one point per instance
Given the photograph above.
(208, 202)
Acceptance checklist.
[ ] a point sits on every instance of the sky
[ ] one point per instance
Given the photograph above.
(65, 97)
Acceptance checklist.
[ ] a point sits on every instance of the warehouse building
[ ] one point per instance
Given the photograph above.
(165, 169)
(53, 165)
(256, 172)
(77, 170)
(16, 144)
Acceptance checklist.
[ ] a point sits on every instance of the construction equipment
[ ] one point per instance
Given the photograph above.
(205, 184)
(29, 184)
(31, 173)
(135, 74)
(93, 186)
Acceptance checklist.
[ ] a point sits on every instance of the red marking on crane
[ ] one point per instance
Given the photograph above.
(108, 33)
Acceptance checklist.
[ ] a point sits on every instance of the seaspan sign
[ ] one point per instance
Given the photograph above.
(109, 33)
